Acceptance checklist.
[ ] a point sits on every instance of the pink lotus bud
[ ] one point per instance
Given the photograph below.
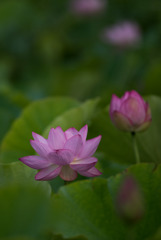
(87, 7)
(129, 202)
(123, 34)
(130, 113)
(64, 154)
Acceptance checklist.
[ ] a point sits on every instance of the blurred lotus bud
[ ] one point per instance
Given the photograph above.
(123, 34)
(130, 113)
(129, 202)
(87, 7)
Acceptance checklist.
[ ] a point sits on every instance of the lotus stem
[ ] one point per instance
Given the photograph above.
(136, 151)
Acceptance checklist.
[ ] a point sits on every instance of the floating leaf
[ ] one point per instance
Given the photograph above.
(149, 142)
(8, 111)
(88, 207)
(25, 203)
(34, 118)
(76, 117)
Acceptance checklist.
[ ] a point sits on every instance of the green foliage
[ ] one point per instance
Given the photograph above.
(149, 141)
(55, 52)
(35, 118)
(59, 237)
(76, 117)
(85, 209)
(25, 203)
(89, 207)
(9, 110)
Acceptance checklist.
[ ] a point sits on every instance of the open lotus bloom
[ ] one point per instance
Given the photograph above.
(64, 154)
(87, 7)
(130, 113)
(123, 34)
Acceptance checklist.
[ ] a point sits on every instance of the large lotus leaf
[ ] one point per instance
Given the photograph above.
(45, 237)
(117, 146)
(8, 111)
(25, 203)
(76, 117)
(88, 207)
(153, 72)
(157, 235)
(59, 237)
(35, 117)
(149, 141)
(18, 173)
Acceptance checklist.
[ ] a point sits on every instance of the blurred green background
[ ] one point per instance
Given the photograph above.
(46, 50)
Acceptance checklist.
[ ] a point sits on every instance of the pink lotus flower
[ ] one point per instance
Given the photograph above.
(123, 34)
(87, 7)
(130, 113)
(64, 154)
